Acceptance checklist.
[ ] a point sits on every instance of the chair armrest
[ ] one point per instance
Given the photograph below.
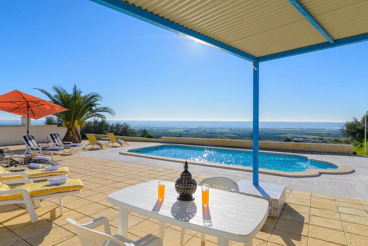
(23, 174)
(97, 222)
(17, 181)
(148, 240)
(24, 193)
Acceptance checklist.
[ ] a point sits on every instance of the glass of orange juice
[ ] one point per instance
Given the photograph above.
(161, 190)
(205, 194)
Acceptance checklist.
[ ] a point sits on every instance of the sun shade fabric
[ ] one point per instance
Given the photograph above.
(43, 188)
(16, 102)
(36, 173)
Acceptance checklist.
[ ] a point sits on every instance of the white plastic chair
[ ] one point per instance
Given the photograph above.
(219, 183)
(89, 237)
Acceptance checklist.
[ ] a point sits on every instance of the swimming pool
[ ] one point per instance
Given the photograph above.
(233, 157)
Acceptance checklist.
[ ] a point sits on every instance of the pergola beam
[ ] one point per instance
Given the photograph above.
(311, 19)
(146, 16)
(316, 47)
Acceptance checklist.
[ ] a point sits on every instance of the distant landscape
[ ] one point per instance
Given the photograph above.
(317, 132)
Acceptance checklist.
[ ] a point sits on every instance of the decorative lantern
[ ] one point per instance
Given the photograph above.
(186, 185)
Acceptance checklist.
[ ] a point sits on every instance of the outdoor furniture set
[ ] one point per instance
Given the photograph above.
(109, 140)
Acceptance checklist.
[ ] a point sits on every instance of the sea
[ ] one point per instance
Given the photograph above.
(206, 124)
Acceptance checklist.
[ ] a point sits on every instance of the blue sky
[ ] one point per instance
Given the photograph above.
(144, 72)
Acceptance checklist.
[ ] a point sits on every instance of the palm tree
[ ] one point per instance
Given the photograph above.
(81, 108)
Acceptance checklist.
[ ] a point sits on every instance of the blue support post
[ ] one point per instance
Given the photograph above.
(255, 123)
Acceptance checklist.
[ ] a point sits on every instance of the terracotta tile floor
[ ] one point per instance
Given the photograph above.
(307, 218)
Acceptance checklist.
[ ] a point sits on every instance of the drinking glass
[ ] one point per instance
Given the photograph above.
(161, 190)
(205, 194)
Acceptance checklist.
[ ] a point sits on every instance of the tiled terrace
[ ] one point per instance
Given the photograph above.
(307, 219)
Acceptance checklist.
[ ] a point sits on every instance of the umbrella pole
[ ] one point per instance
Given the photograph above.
(27, 119)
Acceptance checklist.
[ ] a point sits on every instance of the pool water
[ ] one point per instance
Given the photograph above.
(278, 162)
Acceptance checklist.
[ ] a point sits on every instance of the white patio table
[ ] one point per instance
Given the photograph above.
(229, 216)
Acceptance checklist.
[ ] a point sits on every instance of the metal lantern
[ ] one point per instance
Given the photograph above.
(186, 185)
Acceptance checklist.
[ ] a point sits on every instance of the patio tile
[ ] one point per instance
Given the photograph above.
(264, 234)
(325, 222)
(18, 221)
(297, 208)
(71, 241)
(7, 237)
(323, 200)
(326, 234)
(349, 205)
(51, 237)
(132, 221)
(363, 220)
(316, 242)
(106, 203)
(49, 208)
(301, 200)
(255, 241)
(21, 243)
(301, 193)
(287, 238)
(187, 231)
(91, 208)
(325, 213)
(346, 199)
(323, 196)
(353, 228)
(86, 193)
(271, 222)
(144, 228)
(108, 213)
(96, 197)
(292, 227)
(356, 240)
(195, 241)
(364, 202)
(77, 203)
(294, 216)
(324, 205)
(6, 208)
(33, 229)
(352, 211)
(61, 220)
(172, 237)
(65, 199)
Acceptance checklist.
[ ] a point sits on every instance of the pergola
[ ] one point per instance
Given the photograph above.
(257, 31)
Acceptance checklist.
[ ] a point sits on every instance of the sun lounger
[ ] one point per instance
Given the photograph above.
(32, 145)
(34, 174)
(114, 140)
(55, 138)
(31, 192)
(13, 159)
(93, 141)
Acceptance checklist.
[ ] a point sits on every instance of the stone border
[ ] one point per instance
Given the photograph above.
(342, 169)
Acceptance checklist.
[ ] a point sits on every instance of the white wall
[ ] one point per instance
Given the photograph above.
(10, 135)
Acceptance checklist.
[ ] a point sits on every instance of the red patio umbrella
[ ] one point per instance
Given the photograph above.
(23, 104)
